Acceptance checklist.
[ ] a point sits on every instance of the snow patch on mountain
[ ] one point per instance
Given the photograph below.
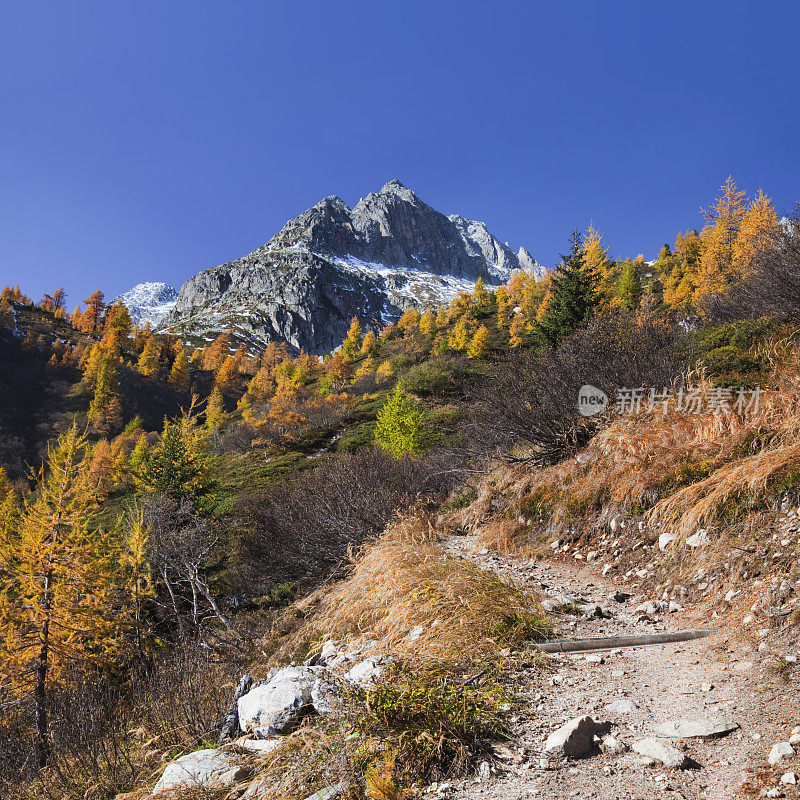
(409, 286)
(149, 302)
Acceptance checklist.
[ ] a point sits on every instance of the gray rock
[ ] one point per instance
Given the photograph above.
(203, 769)
(698, 539)
(665, 540)
(779, 752)
(273, 707)
(789, 778)
(652, 607)
(258, 745)
(623, 706)
(328, 793)
(662, 752)
(390, 252)
(695, 728)
(323, 696)
(592, 611)
(329, 650)
(575, 738)
(367, 671)
(610, 744)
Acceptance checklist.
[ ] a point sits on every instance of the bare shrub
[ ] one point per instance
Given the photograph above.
(773, 287)
(113, 736)
(304, 526)
(531, 401)
(180, 543)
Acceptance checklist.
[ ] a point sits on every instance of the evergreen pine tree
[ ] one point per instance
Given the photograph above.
(574, 296)
(629, 288)
(177, 464)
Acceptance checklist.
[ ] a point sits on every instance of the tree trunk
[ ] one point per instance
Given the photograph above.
(174, 600)
(40, 692)
(203, 586)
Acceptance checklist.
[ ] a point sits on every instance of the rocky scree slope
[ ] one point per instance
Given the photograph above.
(391, 251)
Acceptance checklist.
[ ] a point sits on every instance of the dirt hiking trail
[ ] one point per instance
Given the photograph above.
(721, 677)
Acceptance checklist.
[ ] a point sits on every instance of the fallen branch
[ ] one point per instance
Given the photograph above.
(615, 642)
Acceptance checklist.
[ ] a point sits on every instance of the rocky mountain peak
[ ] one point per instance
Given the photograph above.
(390, 251)
(394, 186)
(529, 264)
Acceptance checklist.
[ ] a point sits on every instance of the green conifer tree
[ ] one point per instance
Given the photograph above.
(629, 288)
(399, 426)
(574, 295)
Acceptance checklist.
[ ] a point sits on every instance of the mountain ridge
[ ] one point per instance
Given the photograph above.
(330, 263)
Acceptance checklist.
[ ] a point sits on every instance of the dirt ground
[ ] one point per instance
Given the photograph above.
(722, 676)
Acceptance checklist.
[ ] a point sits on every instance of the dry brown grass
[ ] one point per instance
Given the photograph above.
(686, 468)
(405, 580)
(745, 481)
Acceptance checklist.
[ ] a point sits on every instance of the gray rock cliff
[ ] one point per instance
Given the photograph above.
(331, 263)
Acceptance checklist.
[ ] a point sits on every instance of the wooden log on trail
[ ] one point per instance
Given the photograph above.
(615, 642)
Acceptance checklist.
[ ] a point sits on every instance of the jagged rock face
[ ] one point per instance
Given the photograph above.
(297, 297)
(331, 263)
(393, 227)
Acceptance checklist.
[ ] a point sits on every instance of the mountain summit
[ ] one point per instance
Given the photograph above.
(331, 263)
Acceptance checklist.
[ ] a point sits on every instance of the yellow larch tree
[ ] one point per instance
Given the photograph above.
(352, 342)
(228, 378)
(409, 319)
(505, 306)
(149, 362)
(596, 259)
(216, 352)
(717, 240)
(370, 344)
(427, 323)
(179, 374)
(517, 329)
(757, 229)
(481, 343)
(62, 607)
(215, 410)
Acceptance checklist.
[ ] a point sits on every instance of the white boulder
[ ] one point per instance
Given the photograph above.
(271, 708)
(203, 769)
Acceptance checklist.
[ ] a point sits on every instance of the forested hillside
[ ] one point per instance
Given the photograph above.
(172, 518)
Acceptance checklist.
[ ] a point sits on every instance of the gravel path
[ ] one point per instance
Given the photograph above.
(722, 676)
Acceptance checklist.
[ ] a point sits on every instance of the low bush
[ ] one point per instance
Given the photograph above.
(438, 376)
(431, 722)
(529, 410)
(303, 527)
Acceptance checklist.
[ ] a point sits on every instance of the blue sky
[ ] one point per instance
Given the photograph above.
(146, 141)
